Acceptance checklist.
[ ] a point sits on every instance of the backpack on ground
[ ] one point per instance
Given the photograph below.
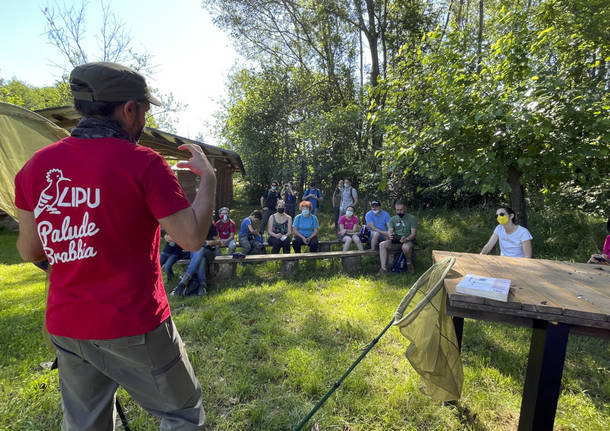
(400, 263)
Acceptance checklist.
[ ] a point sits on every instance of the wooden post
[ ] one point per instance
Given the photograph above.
(351, 263)
(221, 271)
(289, 267)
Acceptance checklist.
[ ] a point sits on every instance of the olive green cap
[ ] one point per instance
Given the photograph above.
(109, 82)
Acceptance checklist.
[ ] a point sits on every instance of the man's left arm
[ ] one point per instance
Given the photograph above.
(28, 242)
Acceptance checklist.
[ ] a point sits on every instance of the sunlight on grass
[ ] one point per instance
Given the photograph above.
(266, 348)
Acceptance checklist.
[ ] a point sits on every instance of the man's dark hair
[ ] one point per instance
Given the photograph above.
(400, 202)
(257, 214)
(96, 109)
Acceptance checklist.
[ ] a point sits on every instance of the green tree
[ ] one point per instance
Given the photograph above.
(530, 110)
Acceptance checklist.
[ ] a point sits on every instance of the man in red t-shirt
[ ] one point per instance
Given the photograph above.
(80, 200)
(226, 230)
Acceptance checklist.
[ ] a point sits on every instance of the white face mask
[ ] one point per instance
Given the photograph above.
(225, 217)
(305, 211)
(376, 211)
(349, 213)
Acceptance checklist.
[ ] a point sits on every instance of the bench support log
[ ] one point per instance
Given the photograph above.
(289, 267)
(324, 246)
(351, 263)
(221, 271)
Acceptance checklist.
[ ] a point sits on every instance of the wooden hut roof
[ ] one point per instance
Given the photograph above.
(164, 143)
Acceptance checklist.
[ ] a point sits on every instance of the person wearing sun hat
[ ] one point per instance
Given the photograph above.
(79, 201)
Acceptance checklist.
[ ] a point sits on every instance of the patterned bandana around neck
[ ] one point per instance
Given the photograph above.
(93, 128)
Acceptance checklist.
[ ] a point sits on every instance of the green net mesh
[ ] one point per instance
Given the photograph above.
(433, 350)
(22, 132)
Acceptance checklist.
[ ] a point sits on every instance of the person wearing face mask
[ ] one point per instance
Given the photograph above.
(290, 198)
(402, 229)
(515, 240)
(305, 229)
(377, 221)
(279, 228)
(337, 196)
(226, 230)
(349, 229)
(349, 196)
(314, 196)
(268, 203)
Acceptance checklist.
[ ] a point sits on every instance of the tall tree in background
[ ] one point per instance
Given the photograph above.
(529, 109)
(66, 30)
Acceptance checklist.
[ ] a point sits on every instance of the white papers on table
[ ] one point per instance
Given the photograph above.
(486, 287)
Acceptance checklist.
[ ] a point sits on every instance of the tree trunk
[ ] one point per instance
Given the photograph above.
(480, 38)
(517, 195)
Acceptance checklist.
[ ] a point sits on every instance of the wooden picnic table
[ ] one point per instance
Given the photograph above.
(553, 298)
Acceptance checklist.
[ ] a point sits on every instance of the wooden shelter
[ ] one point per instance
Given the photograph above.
(225, 162)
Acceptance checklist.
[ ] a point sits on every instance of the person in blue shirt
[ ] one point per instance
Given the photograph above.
(377, 221)
(314, 196)
(247, 234)
(305, 228)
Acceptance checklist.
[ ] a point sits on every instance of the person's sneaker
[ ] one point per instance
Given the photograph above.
(202, 290)
(180, 288)
(178, 291)
(382, 272)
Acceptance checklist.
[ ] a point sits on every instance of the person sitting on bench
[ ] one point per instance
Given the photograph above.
(279, 229)
(247, 234)
(305, 229)
(171, 254)
(198, 266)
(226, 230)
(349, 229)
(402, 229)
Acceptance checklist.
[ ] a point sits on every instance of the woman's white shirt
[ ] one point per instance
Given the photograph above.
(510, 244)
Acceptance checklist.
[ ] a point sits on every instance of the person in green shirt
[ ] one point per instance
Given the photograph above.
(402, 229)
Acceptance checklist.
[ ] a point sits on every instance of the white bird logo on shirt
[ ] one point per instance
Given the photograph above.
(49, 196)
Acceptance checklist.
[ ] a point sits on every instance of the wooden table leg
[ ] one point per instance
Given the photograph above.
(543, 378)
(458, 324)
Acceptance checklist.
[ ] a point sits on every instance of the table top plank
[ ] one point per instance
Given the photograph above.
(522, 292)
(551, 278)
(540, 289)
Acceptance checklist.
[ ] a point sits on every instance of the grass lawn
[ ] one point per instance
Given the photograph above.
(266, 349)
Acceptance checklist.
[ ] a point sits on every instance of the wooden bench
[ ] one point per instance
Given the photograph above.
(224, 267)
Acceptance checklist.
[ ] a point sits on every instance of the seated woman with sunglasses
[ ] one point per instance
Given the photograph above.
(515, 240)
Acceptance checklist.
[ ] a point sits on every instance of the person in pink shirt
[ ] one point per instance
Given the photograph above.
(604, 258)
(349, 229)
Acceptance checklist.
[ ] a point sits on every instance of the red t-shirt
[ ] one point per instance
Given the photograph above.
(225, 229)
(348, 224)
(96, 203)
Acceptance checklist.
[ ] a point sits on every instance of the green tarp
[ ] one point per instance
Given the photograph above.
(433, 350)
(22, 132)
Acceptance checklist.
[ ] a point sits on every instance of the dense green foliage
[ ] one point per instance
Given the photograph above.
(266, 349)
(462, 100)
